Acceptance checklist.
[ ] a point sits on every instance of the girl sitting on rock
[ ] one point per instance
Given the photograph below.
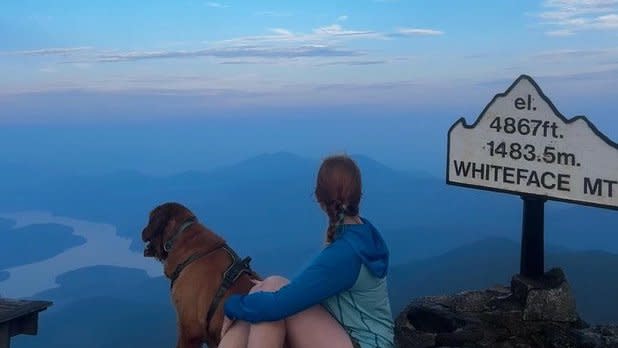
(340, 299)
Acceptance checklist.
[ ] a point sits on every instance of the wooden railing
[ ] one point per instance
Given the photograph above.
(19, 317)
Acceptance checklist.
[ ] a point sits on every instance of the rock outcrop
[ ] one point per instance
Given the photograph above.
(528, 314)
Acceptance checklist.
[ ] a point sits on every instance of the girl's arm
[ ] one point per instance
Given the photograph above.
(334, 270)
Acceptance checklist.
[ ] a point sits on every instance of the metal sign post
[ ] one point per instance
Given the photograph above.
(532, 261)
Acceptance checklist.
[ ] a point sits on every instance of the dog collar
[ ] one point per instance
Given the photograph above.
(170, 242)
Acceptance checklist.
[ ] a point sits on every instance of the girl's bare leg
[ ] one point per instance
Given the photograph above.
(236, 336)
(268, 334)
(311, 328)
(301, 329)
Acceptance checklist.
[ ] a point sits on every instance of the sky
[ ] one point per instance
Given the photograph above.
(61, 59)
(112, 85)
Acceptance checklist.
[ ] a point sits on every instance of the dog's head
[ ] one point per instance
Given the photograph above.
(163, 221)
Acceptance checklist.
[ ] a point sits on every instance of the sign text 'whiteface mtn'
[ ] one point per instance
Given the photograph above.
(521, 144)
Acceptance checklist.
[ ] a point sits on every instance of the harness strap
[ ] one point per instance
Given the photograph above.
(236, 269)
(231, 274)
(181, 266)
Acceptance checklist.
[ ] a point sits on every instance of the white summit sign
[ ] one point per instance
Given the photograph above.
(521, 144)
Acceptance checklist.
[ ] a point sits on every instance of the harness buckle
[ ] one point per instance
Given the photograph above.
(239, 267)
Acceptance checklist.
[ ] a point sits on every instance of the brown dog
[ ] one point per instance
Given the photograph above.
(194, 259)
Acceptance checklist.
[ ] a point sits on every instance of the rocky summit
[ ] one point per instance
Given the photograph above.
(530, 313)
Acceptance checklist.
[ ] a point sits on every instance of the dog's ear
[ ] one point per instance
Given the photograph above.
(161, 221)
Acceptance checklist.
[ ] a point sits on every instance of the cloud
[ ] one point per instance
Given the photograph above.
(207, 82)
(46, 51)
(575, 54)
(324, 35)
(216, 4)
(606, 75)
(281, 31)
(560, 33)
(325, 40)
(408, 32)
(278, 43)
(585, 63)
(329, 34)
(354, 62)
(247, 62)
(559, 79)
(477, 55)
(327, 63)
(571, 16)
(335, 30)
(47, 70)
(609, 21)
(234, 52)
(368, 86)
(578, 59)
(273, 14)
(342, 18)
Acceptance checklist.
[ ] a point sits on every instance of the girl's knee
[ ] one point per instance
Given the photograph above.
(272, 283)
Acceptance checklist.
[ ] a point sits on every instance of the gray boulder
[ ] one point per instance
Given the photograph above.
(531, 313)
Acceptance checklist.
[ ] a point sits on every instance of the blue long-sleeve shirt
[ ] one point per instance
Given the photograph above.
(335, 269)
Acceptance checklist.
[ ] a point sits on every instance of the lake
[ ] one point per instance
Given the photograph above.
(102, 247)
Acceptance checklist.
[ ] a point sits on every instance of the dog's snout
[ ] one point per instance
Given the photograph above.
(144, 235)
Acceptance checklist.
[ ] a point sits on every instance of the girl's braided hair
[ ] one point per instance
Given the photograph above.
(338, 190)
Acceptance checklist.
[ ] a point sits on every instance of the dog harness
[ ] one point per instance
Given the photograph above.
(230, 275)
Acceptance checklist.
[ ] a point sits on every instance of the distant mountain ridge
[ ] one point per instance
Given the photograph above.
(272, 190)
(272, 195)
(488, 262)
